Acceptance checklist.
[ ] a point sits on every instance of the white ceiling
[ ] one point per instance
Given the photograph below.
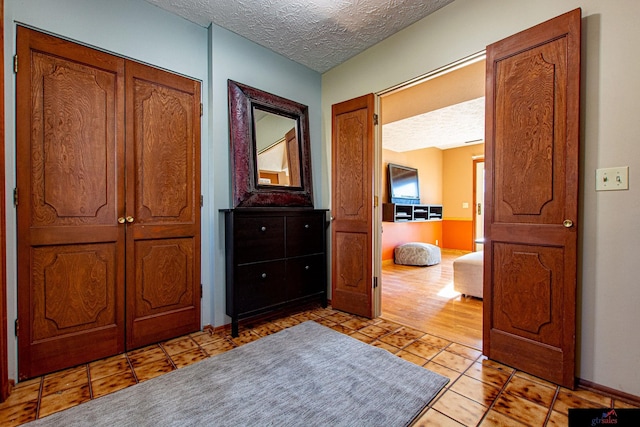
(319, 34)
(449, 127)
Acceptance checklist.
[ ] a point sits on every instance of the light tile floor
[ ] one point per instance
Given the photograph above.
(481, 392)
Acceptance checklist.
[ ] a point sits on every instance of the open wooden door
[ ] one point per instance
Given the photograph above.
(293, 158)
(352, 149)
(532, 138)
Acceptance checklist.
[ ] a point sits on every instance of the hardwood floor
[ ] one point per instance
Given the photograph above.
(423, 298)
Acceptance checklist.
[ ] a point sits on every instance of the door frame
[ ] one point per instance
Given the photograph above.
(379, 169)
(4, 359)
(377, 208)
(476, 200)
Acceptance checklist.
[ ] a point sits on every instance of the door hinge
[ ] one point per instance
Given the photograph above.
(375, 119)
(15, 196)
(201, 200)
(15, 63)
(375, 201)
(201, 291)
(375, 282)
(201, 109)
(17, 327)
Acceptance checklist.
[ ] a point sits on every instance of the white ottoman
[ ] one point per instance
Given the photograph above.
(467, 274)
(416, 253)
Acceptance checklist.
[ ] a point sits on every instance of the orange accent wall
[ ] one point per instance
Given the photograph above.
(428, 161)
(397, 233)
(457, 234)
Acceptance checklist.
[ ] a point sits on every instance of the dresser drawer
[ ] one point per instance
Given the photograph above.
(305, 234)
(259, 285)
(258, 238)
(275, 258)
(305, 276)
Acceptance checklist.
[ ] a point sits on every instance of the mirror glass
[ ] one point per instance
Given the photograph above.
(270, 149)
(277, 149)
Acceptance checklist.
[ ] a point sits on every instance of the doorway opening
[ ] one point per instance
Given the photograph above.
(435, 124)
(478, 203)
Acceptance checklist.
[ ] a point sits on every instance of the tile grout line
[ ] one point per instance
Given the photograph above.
(135, 376)
(89, 379)
(493, 404)
(41, 388)
(553, 402)
(167, 355)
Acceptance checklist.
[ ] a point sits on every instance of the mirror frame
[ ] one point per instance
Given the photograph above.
(246, 191)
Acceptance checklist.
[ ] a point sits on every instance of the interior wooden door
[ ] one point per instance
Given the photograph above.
(352, 154)
(163, 205)
(70, 192)
(532, 138)
(103, 267)
(293, 158)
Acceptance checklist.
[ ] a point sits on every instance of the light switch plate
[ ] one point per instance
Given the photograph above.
(608, 179)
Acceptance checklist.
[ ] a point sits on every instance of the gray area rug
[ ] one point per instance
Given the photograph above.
(307, 375)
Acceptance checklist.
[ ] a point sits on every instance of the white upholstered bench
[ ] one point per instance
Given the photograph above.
(416, 253)
(467, 274)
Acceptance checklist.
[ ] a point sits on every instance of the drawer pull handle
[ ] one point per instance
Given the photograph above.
(263, 228)
(263, 275)
(306, 267)
(306, 226)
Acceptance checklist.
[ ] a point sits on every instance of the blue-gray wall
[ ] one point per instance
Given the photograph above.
(238, 59)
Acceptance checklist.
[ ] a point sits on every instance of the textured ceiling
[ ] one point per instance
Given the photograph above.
(453, 126)
(319, 34)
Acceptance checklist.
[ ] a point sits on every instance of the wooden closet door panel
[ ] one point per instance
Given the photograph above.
(163, 205)
(70, 181)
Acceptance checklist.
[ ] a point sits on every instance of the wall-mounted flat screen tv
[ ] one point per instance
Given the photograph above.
(403, 184)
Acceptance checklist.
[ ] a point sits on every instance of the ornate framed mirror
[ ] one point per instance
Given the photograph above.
(270, 154)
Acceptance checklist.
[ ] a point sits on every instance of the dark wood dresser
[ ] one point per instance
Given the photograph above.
(275, 258)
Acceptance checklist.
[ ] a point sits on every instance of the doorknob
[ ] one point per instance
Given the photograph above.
(130, 219)
(121, 220)
(567, 223)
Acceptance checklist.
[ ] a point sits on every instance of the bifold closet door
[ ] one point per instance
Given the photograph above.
(70, 192)
(108, 204)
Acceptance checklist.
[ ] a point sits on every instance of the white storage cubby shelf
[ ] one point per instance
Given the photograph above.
(397, 212)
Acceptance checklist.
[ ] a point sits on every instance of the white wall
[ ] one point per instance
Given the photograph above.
(609, 318)
(138, 30)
